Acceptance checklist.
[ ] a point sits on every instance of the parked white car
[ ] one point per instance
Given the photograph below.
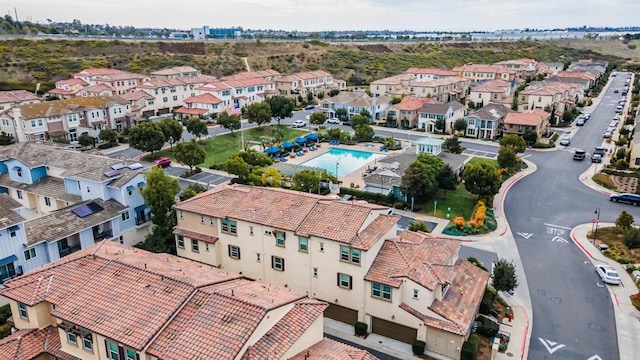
(333, 120)
(299, 124)
(608, 275)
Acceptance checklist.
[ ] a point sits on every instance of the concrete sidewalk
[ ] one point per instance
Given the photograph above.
(518, 329)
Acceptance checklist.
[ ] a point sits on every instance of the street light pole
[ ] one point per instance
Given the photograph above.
(595, 232)
(337, 163)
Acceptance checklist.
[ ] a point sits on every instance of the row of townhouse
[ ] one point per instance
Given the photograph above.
(97, 81)
(562, 96)
(67, 118)
(443, 88)
(120, 303)
(495, 120)
(423, 113)
(408, 287)
(356, 102)
(67, 201)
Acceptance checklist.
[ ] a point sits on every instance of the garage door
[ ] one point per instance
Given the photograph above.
(394, 331)
(342, 314)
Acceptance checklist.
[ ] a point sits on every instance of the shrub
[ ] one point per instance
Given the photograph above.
(361, 328)
(399, 205)
(487, 300)
(418, 347)
(387, 200)
(632, 239)
(5, 313)
(487, 327)
(470, 348)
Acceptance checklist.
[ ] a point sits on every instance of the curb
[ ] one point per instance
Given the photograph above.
(526, 332)
(575, 241)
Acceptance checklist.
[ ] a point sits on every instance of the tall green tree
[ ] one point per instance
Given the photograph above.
(271, 177)
(146, 136)
(453, 145)
(504, 276)
(624, 220)
(6, 139)
(418, 225)
(108, 135)
(530, 136)
(419, 181)
(191, 191)
(172, 130)
(259, 113)
(357, 120)
(460, 125)
(86, 140)
(197, 127)
(364, 132)
(447, 179)
(237, 166)
(440, 125)
(190, 153)
(481, 179)
(281, 107)
(514, 142)
(342, 114)
(317, 118)
(306, 181)
(159, 194)
(506, 157)
(229, 122)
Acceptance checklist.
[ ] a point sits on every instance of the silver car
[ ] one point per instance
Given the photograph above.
(565, 141)
(608, 275)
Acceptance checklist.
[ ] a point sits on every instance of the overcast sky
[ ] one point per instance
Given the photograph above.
(313, 15)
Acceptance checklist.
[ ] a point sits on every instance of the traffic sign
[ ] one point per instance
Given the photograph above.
(594, 221)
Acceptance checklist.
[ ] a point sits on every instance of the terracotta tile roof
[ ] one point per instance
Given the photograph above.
(461, 301)
(60, 107)
(336, 220)
(98, 71)
(444, 81)
(120, 76)
(30, 343)
(195, 235)
(412, 103)
(394, 80)
(58, 91)
(136, 95)
(528, 118)
(497, 85)
(432, 321)
(205, 98)
(440, 109)
(72, 82)
(491, 111)
(191, 111)
(252, 75)
(417, 256)
(174, 70)
(375, 231)
(97, 88)
(48, 186)
(277, 341)
(8, 217)
(328, 349)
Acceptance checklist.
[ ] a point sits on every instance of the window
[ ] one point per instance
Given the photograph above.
(194, 245)
(125, 216)
(234, 252)
(19, 172)
(201, 219)
(211, 221)
(22, 309)
(315, 272)
(381, 291)
(181, 215)
(175, 98)
(72, 338)
(30, 254)
(277, 263)
(251, 230)
(344, 281)
(258, 257)
(206, 246)
(181, 241)
(303, 244)
(279, 238)
(130, 192)
(87, 342)
(233, 228)
(349, 255)
(415, 294)
(131, 355)
(113, 351)
(12, 232)
(321, 247)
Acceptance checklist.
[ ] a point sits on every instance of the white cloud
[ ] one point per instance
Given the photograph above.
(313, 15)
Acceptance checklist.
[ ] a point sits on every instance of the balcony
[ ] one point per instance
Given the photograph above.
(64, 251)
(101, 235)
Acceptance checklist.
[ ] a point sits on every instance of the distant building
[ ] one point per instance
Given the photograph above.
(206, 32)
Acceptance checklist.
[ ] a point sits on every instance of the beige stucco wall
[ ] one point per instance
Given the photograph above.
(38, 316)
(268, 321)
(313, 335)
(444, 343)
(78, 351)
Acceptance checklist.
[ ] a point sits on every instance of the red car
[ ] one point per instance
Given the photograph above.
(163, 162)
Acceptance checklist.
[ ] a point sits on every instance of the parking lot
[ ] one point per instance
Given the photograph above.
(480, 153)
(210, 179)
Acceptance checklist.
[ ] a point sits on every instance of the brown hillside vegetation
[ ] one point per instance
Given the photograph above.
(27, 62)
(629, 52)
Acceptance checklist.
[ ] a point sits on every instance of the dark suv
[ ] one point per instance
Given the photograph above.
(579, 155)
(598, 154)
(632, 199)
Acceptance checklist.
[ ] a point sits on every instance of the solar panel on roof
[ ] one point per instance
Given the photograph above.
(87, 209)
(118, 166)
(112, 173)
(135, 166)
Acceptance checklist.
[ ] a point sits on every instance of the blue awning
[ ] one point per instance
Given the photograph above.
(287, 145)
(130, 188)
(272, 150)
(141, 184)
(14, 228)
(312, 136)
(300, 140)
(141, 207)
(8, 260)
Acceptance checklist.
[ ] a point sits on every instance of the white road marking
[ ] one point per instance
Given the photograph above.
(599, 285)
(558, 226)
(551, 346)
(595, 357)
(559, 239)
(525, 235)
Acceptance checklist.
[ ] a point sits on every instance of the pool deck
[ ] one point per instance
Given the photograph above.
(356, 176)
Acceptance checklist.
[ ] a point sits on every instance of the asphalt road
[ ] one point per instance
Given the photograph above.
(573, 315)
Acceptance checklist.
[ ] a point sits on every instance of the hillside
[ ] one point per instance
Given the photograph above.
(629, 52)
(26, 62)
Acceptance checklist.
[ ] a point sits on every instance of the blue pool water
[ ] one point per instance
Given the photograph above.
(347, 160)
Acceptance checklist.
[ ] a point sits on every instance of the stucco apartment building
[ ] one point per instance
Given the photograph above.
(406, 287)
(518, 122)
(523, 67)
(426, 74)
(169, 93)
(120, 303)
(405, 113)
(97, 82)
(10, 99)
(70, 200)
(478, 72)
(492, 91)
(355, 102)
(563, 96)
(305, 82)
(439, 88)
(486, 122)
(67, 118)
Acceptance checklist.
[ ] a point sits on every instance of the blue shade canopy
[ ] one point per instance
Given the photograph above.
(300, 140)
(312, 136)
(287, 145)
(272, 150)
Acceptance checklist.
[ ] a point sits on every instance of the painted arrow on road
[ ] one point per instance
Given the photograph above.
(525, 235)
(551, 346)
(559, 239)
(595, 357)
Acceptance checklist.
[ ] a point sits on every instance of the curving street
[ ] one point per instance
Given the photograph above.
(573, 315)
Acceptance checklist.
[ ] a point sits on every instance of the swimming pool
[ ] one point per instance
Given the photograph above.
(347, 160)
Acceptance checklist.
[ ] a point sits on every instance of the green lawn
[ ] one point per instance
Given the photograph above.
(460, 201)
(222, 146)
(476, 160)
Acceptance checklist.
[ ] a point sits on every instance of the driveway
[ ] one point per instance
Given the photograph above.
(209, 178)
